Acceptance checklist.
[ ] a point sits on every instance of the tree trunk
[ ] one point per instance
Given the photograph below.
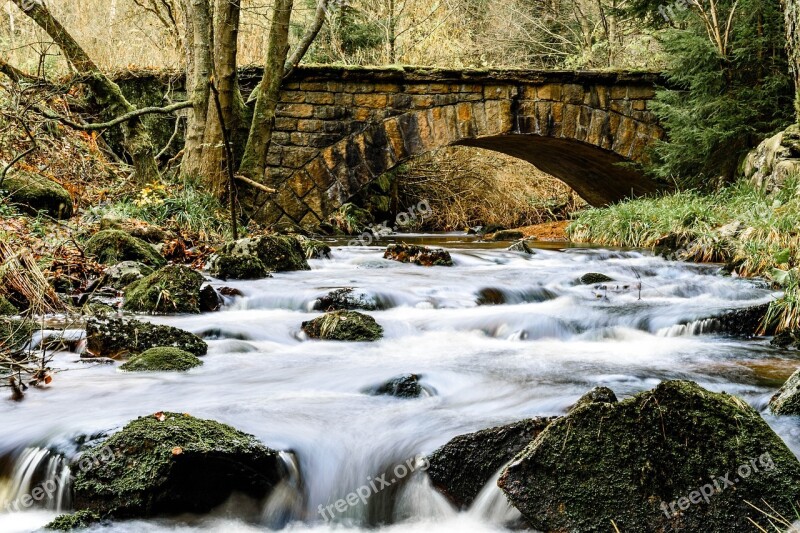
(254, 161)
(792, 12)
(136, 137)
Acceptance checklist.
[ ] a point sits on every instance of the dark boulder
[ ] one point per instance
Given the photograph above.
(490, 296)
(116, 337)
(35, 193)
(110, 247)
(593, 278)
(210, 300)
(172, 289)
(405, 386)
(172, 463)
(343, 326)
(162, 359)
(654, 462)
(463, 466)
(418, 255)
(345, 299)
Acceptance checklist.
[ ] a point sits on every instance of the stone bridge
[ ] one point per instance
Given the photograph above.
(338, 128)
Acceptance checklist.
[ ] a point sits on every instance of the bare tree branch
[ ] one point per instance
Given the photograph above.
(119, 120)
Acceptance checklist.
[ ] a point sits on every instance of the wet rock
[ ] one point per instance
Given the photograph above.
(123, 274)
(644, 461)
(343, 326)
(172, 463)
(463, 466)
(774, 161)
(172, 289)
(596, 395)
(490, 296)
(345, 299)
(162, 359)
(593, 278)
(230, 291)
(70, 522)
(136, 228)
(418, 255)
(745, 322)
(508, 235)
(210, 299)
(787, 400)
(314, 249)
(116, 337)
(786, 339)
(278, 253)
(37, 193)
(523, 247)
(15, 334)
(6, 307)
(110, 247)
(229, 266)
(406, 386)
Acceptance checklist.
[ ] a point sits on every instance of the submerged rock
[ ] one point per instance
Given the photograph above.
(786, 339)
(172, 289)
(345, 299)
(406, 386)
(172, 463)
(123, 274)
(418, 255)
(162, 359)
(229, 266)
(37, 193)
(116, 337)
(677, 458)
(463, 466)
(278, 253)
(77, 520)
(490, 296)
(523, 247)
(593, 278)
(343, 326)
(110, 247)
(787, 400)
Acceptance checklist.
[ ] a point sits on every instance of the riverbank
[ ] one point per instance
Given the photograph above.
(753, 234)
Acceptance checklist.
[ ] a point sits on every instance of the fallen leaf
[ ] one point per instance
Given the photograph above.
(160, 416)
(177, 450)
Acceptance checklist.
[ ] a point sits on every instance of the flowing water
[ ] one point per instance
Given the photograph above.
(484, 366)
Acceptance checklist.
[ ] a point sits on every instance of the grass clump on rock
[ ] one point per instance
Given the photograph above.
(162, 359)
(111, 247)
(343, 326)
(172, 289)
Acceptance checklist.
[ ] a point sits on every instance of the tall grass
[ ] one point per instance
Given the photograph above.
(754, 234)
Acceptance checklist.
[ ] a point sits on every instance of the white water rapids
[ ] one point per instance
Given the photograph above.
(486, 365)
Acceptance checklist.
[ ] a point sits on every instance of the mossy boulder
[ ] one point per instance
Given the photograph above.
(136, 228)
(278, 253)
(172, 463)
(418, 255)
(405, 386)
(111, 246)
(123, 274)
(116, 337)
(230, 266)
(6, 307)
(70, 522)
(463, 466)
(36, 193)
(162, 359)
(654, 462)
(787, 400)
(596, 395)
(172, 289)
(593, 278)
(343, 326)
(345, 299)
(314, 249)
(14, 333)
(508, 235)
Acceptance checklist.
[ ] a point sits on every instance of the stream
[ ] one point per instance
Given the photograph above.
(483, 365)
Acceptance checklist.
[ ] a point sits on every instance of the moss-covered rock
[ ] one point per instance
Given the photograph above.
(230, 266)
(787, 400)
(123, 274)
(345, 299)
(37, 193)
(136, 228)
(596, 395)
(162, 359)
(463, 466)
(116, 337)
(73, 521)
(343, 326)
(14, 333)
(171, 463)
(111, 246)
(418, 255)
(6, 307)
(278, 253)
(508, 235)
(655, 462)
(405, 386)
(314, 249)
(593, 278)
(172, 289)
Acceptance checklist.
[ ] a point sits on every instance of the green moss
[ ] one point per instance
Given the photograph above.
(315, 249)
(171, 463)
(37, 193)
(343, 326)
(110, 247)
(6, 307)
(116, 337)
(173, 289)
(620, 461)
(162, 359)
(278, 253)
(77, 520)
(229, 266)
(508, 235)
(15, 334)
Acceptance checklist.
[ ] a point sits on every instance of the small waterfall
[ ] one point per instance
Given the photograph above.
(690, 329)
(492, 506)
(418, 500)
(287, 500)
(41, 479)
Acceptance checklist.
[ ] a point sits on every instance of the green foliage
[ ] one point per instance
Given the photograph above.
(162, 359)
(719, 103)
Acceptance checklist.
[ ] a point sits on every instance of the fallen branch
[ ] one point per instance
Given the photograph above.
(119, 120)
(256, 184)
